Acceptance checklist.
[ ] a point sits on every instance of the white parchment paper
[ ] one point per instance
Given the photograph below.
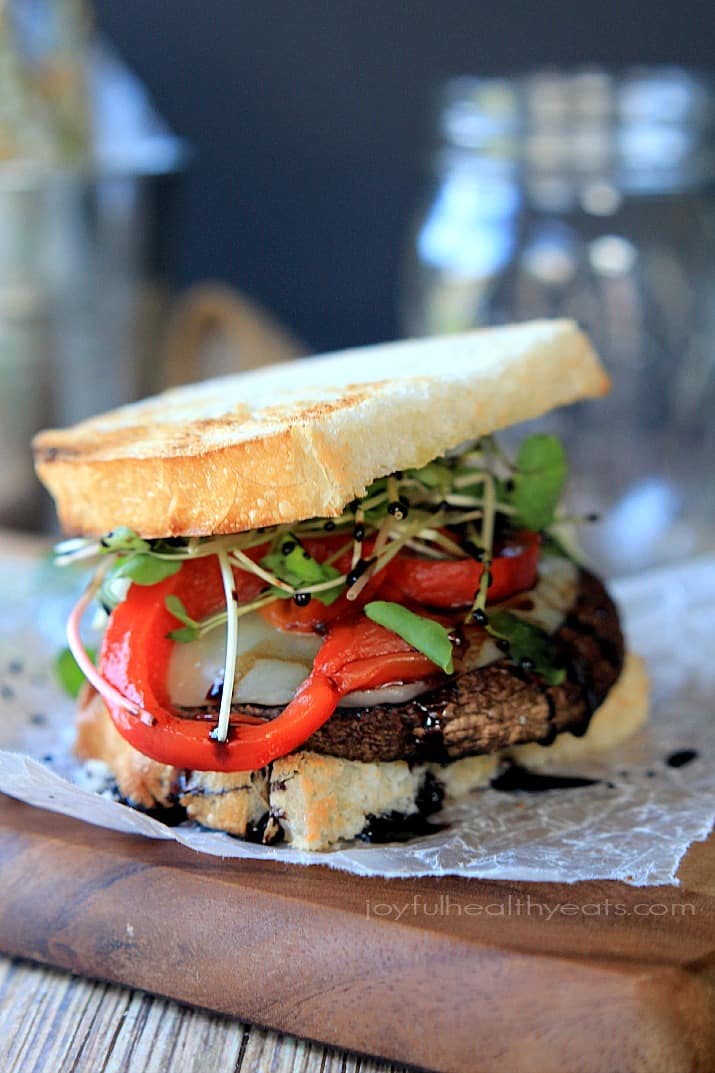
(634, 825)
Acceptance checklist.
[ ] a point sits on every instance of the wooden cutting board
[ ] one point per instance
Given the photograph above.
(459, 975)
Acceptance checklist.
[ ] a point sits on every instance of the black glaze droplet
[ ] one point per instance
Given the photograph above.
(480, 617)
(302, 599)
(681, 757)
(329, 525)
(6, 692)
(38, 719)
(502, 644)
(353, 506)
(518, 778)
(287, 547)
(359, 533)
(14, 666)
(357, 571)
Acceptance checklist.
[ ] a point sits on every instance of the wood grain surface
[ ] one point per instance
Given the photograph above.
(449, 974)
(52, 1022)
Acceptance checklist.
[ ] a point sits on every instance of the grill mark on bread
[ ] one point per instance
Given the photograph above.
(321, 430)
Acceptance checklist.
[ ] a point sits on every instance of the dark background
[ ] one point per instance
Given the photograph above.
(311, 122)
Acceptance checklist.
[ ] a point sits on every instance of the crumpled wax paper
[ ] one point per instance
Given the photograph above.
(635, 825)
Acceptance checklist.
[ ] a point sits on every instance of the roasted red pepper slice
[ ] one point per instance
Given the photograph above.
(135, 657)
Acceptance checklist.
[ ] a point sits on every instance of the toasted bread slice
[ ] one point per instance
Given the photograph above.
(300, 440)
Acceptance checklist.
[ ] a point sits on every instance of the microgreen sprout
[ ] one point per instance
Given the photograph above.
(447, 509)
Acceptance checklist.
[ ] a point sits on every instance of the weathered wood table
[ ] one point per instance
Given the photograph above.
(51, 1022)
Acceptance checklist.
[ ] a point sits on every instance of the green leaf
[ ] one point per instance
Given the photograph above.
(298, 569)
(434, 475)
(427, 636)
(538, 481)
(141, 569)
(68, 672)
(123, 539)
(527, 642)
(184, 634)
(191, 629)
(146, 569)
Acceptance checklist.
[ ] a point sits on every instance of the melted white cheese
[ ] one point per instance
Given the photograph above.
(272, 663)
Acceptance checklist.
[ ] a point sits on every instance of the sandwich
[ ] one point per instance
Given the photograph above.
(332, 602)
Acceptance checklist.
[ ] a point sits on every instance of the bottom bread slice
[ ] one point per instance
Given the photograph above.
(312, 800)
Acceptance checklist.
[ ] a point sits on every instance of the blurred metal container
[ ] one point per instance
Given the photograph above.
(590, 195)
(83, 278)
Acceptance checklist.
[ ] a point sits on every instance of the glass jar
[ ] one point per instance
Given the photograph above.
(590, 195)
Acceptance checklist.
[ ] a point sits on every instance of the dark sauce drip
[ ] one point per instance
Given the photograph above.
(398, 827)
(255, 832)
(681, 757)
(169, 815)
(430, 795)
(429, 745)
(519, 778)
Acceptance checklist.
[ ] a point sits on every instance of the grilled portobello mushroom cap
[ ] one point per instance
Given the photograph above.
(490, 708)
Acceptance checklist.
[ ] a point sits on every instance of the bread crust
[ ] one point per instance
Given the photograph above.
(299, 440)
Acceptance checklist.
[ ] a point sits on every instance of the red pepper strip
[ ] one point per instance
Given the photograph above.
(442, 583)
(360, 655)
(135, 657)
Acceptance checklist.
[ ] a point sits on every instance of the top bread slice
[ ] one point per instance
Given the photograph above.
(301, 439)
